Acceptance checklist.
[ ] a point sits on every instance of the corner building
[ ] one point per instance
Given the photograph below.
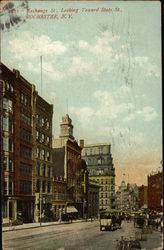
(101, 169)
(16, 146)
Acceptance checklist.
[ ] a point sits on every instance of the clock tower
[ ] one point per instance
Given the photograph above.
(66, 127)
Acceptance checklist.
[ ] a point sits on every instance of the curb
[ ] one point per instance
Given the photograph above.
(63, 223)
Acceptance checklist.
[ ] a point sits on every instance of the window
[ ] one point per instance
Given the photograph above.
(5, 128)
(37, 134)
(100, 150)
(12, 90)
(101, 181)
(106, 181)
(85, 152)
(106, 188)
(43, 154)
(38, 153)
(43, 169)
(42, 122)
(10, 145)
(10, 185)
(42, 137)
(106, 202)
(48, 171)
(48, 155)
(4, 209)
(38, 168)
(49, 187)
(55, 195)
(38, 186)
(10, 125)
(91, 151)
(48, 124)
(101, 195)
(101, 202)
(5, 185)
(4, 103)
(43, 186)
(48, 139)
(5, 148)
(5, 163)
(10, 103)
(101, 188)
(106, 195)
(10, 164)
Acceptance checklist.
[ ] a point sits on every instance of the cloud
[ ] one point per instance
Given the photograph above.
(52, 97)
(117, 131)
(32, 46)
(146, 113)
(84, 114)
(141, 60)
(79, 66)
(83, 44)
(108, 105)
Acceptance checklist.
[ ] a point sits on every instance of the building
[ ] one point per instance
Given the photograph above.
(59, 199)
(42, 154)
(16, 146)
(142, 196)
(93, 199)
(101, 169)
(155, 191)
(127, 197)
(67, 163)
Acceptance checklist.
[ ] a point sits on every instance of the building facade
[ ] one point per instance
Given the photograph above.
(93, 199)
(142, 196)
(67, 163)
(127, 197)
(59, 199)
(101, 169)
(16, 146)
(42, 154)
(155, 195)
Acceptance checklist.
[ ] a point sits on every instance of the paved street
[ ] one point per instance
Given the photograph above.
(82, 235)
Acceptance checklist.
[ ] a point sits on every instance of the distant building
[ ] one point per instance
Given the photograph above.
(101, 169)
(142, 196)
(127, 197)
(67, 163)
(155, 191)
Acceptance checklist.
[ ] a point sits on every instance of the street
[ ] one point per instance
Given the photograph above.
(81, 235)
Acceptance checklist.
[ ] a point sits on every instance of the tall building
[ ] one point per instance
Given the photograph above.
(155, 195)
(42, 154)
(16, 146)
(101, 169)
(67, 163)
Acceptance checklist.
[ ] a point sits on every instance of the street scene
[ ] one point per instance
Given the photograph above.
(78, 235)
(81, 125)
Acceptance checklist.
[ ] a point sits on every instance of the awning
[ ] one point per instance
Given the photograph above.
(71, 210)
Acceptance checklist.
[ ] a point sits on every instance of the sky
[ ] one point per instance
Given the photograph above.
(101, 64)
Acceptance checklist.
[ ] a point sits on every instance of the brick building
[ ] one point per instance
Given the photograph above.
(67, 163)
(155, 191)
(42, 153)
(142, 195)
(59, 199)
(16, 145)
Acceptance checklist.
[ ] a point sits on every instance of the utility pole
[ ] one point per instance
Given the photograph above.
(40, 208)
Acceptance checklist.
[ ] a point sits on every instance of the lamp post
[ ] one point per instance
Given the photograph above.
(40, 198)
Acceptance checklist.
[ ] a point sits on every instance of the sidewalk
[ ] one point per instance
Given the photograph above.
(37, 224)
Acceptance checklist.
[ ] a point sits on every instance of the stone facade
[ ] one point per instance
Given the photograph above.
(101, 169)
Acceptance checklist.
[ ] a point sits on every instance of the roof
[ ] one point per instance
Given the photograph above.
(96, 145)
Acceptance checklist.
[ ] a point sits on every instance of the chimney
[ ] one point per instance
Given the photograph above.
(82, 143)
